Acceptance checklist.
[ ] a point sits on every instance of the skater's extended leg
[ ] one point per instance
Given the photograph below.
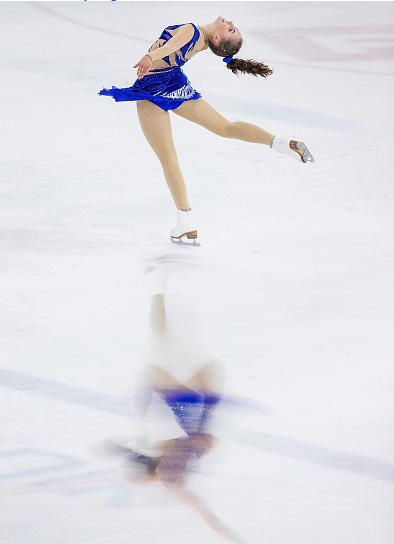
(200, 112)
(156, 126)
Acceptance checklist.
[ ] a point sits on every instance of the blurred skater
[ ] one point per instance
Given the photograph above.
(161, 86)
(192, 402)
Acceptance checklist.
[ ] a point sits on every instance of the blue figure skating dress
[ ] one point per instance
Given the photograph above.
(167, 86)
(192, 411)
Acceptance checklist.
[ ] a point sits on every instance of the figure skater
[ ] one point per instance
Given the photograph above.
(192, 393)
(161, 85)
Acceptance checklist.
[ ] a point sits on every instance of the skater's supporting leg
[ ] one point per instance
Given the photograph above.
(156, 126)
(157, 316)
(200, 112)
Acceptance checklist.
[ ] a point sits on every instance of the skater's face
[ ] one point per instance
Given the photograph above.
(225, 30)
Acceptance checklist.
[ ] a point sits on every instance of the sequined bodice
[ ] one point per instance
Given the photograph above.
(180, 57)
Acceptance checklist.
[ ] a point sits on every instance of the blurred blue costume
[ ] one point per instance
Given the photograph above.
(191, 409)
(168, 87)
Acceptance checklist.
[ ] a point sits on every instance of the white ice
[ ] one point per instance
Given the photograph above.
(292, 288)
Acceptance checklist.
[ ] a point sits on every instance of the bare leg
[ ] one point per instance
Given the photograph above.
(210, 518)
(156, 126)
(209, 378)
(157, 316)
(200, 112)
(153, 376)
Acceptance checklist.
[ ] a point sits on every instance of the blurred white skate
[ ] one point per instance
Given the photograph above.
(155, 278)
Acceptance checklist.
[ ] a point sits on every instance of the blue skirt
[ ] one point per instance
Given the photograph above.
(167, 89)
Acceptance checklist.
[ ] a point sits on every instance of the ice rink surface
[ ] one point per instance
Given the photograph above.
(292, 288)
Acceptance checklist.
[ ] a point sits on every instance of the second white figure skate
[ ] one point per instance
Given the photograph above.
(185, 231)
(292, 148)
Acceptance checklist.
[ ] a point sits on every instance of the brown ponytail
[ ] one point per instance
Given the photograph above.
(249, 67)
(227, 48)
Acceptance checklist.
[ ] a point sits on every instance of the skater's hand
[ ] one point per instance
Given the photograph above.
(143, 66)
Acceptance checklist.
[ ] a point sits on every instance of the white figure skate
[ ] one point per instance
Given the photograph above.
(155, 278)
(292, 148)
(185, 229)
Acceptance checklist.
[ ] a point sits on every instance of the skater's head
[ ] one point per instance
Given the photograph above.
(224, 39)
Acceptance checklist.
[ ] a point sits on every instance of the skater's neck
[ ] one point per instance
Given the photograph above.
(207, 30)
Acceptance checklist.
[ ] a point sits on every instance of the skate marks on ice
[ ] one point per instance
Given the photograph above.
(63, 392)
(176, 257)
(33, 470)
(52, 13)
(318, 455)
(306, 45)
(280, 445)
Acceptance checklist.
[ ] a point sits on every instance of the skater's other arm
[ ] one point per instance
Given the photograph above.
(184, 35)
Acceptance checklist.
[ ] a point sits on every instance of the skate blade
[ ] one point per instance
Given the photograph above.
(191, 235)
(306, 154)
(180, 242)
